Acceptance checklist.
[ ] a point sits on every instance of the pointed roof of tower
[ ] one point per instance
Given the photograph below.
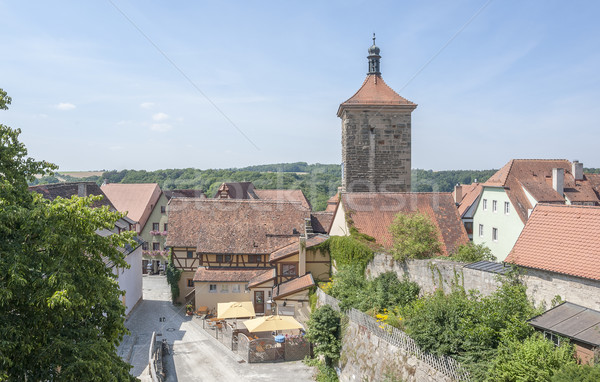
(374, 91)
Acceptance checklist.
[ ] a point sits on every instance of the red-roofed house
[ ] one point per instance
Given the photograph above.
(466, 197)
(510, 194)
(137, 200)
(560, 247)
(373, 213)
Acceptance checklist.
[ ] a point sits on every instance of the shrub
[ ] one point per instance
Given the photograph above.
(470, 253)
(324, 331)
(415, 237)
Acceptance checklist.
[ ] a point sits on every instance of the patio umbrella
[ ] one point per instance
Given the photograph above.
(272, 323)
(235, 309)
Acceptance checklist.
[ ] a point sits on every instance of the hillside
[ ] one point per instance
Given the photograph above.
(318, 181)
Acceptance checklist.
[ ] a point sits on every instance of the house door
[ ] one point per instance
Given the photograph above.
(259, 301)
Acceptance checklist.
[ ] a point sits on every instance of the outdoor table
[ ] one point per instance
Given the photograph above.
(280, 338)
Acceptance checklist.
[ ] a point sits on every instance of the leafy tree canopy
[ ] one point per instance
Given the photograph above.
(62, 317)
(471, 252)
(414, 236)
(324, 330)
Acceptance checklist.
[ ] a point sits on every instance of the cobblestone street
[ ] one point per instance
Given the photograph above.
(195, 355)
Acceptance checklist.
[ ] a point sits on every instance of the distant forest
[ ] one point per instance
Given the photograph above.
(318, 181)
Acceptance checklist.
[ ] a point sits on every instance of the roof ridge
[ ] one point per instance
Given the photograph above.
(543, 204)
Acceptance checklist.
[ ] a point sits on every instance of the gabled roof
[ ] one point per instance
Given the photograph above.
(562, 239)
(332, 203)
(66, 190)
(234, 226)
(294, 248)
(284, 195)
(534, 176)
(374, 91)
(226, 274)
(373, 213)
(236, 190)
(571, 321)
(136, 199)
(321, 221)
(293, 286)
(470, 193)
(268, 275)
(187, 193)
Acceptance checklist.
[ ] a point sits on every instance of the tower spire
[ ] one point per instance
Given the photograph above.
(374, 58)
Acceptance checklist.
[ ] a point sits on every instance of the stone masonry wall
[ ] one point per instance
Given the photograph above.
(542, 286)
(376, 150)
(366, 357)
(430, 274)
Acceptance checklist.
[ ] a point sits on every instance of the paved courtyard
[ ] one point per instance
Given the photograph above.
(195, 354)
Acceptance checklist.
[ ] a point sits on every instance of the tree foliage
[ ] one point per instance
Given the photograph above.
(468, 327)
(470, 253)
(173, 275)
(324, 331)
(414, 236)
(348, 250)
(385, 291)
(581, 373)
(535, 359)
(62, 316)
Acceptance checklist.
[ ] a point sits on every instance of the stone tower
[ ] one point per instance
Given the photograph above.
(376, 150)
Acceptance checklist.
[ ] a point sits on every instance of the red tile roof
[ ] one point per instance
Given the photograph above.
(185, 193)
(137, 200)
(374, 91)
(294, 248)
(293, 286)
(236, 190)
(234, 226)
(226, 274)
(332, 203)
(373, 213)
(560, 238)
(470, 193)
(535, 176)
(66, 190)
(284, 195)
(321, 221)
(268, 275)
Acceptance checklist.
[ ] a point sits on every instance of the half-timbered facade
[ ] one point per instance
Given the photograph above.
(229, 238)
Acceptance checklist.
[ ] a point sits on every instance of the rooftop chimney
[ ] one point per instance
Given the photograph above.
(457, 193)
(308, 230)
(558, 180)
(81, 189)
(577, 170)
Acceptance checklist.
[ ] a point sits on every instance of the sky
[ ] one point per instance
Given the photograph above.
(111, 84)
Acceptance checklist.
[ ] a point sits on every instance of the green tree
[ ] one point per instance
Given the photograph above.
(415, 237)
(579, 373)
(62, 317)
(324, 331)
(470, 253)
(533, 360)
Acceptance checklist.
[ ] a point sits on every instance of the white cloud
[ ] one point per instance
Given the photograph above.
(65, 106)
(147, 105)
(160, 127)
(160, 117)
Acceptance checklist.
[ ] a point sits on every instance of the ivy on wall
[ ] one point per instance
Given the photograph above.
(173, 276)
(348, 250)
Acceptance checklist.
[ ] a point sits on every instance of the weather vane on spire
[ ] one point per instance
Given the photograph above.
(373, 38)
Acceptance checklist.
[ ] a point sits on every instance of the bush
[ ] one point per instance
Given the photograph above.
(324, 331)
(470, 253)
(577, 373)
(535, 359)
(415, 237)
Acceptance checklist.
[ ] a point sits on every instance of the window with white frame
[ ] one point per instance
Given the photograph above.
(485, 204)
(481, 230)
(506, 208)
(212, 288)
(235, 288)
(494, 206)
(224, 288)
(495, 234)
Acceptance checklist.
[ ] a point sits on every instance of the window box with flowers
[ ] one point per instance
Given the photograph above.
(164, 233)
(155, 233)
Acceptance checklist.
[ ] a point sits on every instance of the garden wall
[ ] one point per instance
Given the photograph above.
(430, 274)
(371, 352)
(542, 286)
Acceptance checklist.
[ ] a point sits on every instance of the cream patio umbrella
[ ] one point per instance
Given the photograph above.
(272, 323)
(235, 309)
